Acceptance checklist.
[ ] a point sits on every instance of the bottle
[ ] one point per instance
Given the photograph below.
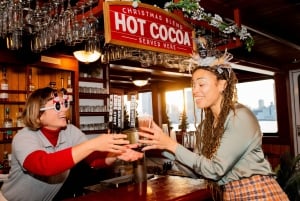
(7, 123)
(139, 166)
(4, 86)
(202, 50)
(69, 88)
(5, 163)
(19, 122)
(62, 81)
(31, 86)
(52, 85)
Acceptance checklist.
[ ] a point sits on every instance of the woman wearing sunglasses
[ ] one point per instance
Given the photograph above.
(46, 149)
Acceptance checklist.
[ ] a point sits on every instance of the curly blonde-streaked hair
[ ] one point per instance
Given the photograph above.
(210, 131)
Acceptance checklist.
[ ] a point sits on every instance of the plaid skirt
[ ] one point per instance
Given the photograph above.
(257, 187)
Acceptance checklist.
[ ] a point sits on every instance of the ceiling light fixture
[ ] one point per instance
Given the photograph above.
(86, 56)
(91, 52)
(140, 82)
(295, 61)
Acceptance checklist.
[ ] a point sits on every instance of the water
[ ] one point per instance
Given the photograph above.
(268, 126)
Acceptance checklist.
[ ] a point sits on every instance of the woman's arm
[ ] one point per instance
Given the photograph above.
(113, 143)
(242, 133)
(241, 129)
(45, 164)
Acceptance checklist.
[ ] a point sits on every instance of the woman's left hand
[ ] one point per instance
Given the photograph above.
(127, 155)
(130, 154)
(155, 138)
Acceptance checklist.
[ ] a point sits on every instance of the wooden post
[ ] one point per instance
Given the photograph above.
(237, 19)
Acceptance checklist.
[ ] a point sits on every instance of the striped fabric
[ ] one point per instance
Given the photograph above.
(258, 188)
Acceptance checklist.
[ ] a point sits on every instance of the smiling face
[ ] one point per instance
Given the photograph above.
(207, 89)
(53, 119)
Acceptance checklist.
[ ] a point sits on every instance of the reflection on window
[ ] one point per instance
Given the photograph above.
(259, 96)
(144, 103)
(178, 100)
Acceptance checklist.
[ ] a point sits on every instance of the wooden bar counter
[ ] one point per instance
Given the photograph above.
(159, 188)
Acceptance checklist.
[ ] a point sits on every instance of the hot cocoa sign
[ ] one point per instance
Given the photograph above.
(147, 27)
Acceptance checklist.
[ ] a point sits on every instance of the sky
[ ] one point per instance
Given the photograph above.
(250, 93)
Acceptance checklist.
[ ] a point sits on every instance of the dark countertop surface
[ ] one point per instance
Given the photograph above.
(157, 188)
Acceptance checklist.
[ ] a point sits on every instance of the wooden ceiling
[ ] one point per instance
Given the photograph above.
(274, 25)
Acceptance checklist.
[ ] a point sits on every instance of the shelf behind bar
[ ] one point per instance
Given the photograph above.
(11, 128)
(93, 113)
(89, 132)
(90, 79)
(92, 96)
(15, 91)
(8, 102)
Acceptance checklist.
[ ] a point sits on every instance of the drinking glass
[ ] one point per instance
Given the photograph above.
(84, 24)
(14, 40)
(4, 18)
(69, 20)
(105, 55)
(145, 59)
(29, 18)
(145, 120)
(76, 28)
(54, 25)
(159, 59)
(165, 129)
(92, 20)
(62, 23)
(36, 41)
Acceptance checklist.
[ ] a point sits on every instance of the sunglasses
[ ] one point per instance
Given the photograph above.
(58, 104)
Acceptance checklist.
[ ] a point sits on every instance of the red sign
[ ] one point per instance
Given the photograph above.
(147, 27)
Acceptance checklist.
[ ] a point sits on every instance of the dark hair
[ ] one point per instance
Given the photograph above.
(222, 71)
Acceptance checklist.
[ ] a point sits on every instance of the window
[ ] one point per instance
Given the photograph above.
(261, 102)
(176, 101)
(259, 96)
(144, 103)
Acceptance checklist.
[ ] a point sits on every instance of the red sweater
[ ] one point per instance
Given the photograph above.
(48, 164)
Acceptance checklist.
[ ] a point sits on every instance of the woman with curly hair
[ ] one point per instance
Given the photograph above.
(228, 152)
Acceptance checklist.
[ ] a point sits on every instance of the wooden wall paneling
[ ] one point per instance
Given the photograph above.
(156, 103)
(273, 152)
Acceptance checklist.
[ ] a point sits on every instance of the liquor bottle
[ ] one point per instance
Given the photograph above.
(31, 86)
(5, 163)
(19, 122)
(7, 123)
(4, 86)
(52, 85)
(62, 81)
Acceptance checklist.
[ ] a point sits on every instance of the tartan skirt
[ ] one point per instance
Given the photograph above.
(257, 187)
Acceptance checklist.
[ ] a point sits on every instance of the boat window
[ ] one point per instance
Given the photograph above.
(143, 105)
(179, 101)
(259, 96)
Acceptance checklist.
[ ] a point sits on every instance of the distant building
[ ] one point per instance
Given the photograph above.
(264, 113)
